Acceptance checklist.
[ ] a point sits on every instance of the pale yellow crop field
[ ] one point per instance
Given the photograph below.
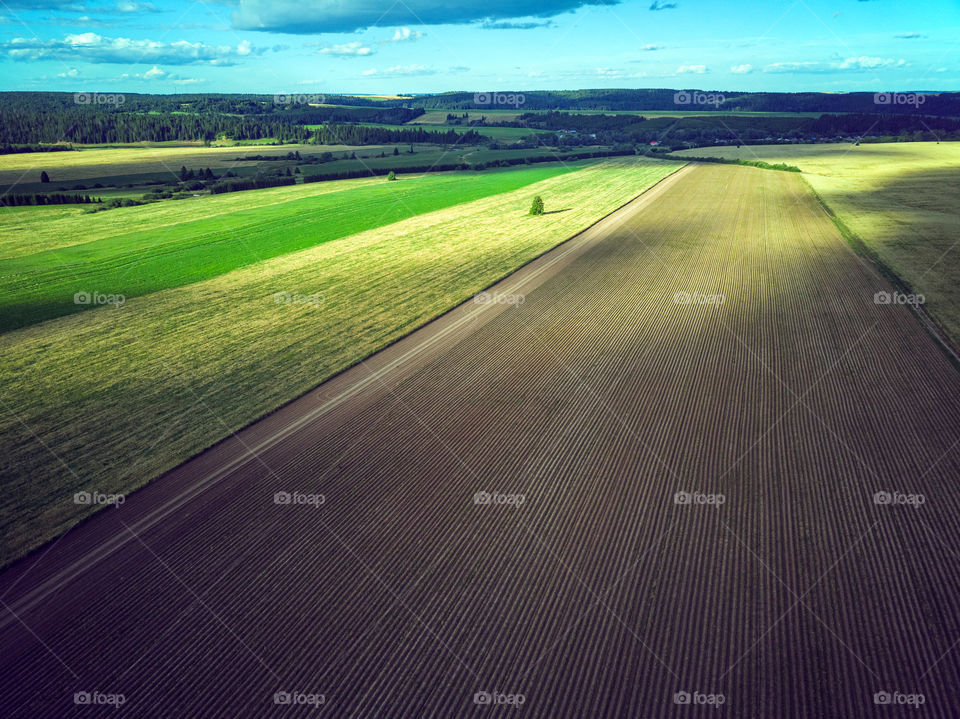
(902, 200)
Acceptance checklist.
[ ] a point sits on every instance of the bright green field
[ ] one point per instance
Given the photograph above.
(902, 200)
(109, 398)
(42, 285)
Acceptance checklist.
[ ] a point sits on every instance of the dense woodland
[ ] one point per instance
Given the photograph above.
(946, 104)
(29, 119)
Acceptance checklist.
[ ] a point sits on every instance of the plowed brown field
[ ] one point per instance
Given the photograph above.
(717, 339)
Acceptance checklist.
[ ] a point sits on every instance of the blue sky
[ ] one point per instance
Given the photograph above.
(387, 46)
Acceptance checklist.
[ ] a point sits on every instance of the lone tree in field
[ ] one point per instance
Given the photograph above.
(391, 176)
(44, 177)
(537, 207)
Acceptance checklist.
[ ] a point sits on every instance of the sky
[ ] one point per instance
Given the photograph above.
(416, 46)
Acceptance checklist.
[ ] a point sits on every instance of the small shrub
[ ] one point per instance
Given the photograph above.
(391, 176)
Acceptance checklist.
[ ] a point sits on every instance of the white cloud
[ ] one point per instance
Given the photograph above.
(742, 69)
(91, 47)
(854, 64)
(404, 34)
(869, 63)
(348, 48)
(691, 69)
(401, 71)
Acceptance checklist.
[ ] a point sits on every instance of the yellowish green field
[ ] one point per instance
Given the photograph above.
(902, 200)
(109, 398)
(26, 230)
(90, 164)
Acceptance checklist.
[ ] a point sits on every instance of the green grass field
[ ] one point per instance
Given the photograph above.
(163, 162)
(902, 200)
(109, 398)
(39, 286)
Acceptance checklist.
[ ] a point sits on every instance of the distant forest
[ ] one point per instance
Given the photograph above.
(28, 119)
(943, 104)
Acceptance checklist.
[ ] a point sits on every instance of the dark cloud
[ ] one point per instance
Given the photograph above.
(657, 5)
(335, 16)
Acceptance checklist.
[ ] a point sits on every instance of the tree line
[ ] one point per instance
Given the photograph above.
(55, 198)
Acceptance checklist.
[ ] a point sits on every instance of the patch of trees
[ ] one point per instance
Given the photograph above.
(362, 135)
(92, 127)
(255, 183)
(55, 198)
(14, 149)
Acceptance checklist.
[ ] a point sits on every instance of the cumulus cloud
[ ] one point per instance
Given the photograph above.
(509, 25)
(691, 69)
(117, 6)
(854, 64)
(91, 47)
(331, 16)
(156, 73)
(348, 48)
(742, 69)
(869, 63)
(404, 34)
(401, 71)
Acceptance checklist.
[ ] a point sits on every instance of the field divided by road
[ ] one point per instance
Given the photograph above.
(674, 471)
(113, 396)
(900, 199)
(43, 285)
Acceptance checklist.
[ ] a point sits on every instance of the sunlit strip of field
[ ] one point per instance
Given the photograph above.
(40, 286)
(902, 200)
(113, 396)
